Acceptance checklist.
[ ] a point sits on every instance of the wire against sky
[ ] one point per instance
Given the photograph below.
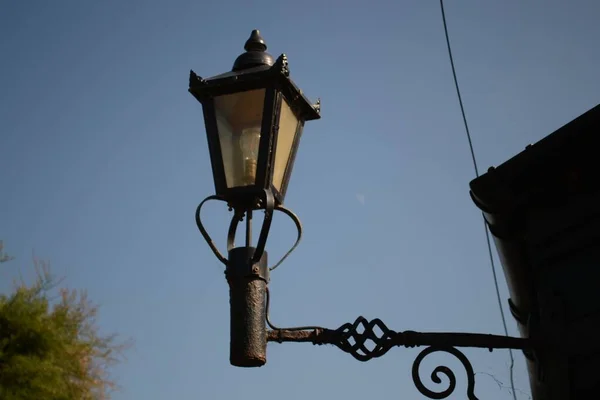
(487, 234)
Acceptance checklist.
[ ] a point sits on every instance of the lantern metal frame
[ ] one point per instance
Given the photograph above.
(274, 78)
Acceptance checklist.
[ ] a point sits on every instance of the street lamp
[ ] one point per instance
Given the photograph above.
(254, 117)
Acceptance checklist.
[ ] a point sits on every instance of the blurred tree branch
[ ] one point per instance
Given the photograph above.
(50, 346)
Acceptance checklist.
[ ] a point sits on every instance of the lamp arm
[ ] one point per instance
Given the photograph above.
(365, 340)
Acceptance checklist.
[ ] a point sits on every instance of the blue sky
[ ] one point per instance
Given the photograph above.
(103, 159)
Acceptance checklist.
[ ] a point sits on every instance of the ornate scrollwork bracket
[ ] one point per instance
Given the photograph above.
(443, 370)
(365, 340)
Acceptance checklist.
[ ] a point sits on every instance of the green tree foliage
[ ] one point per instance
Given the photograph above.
(50, 346)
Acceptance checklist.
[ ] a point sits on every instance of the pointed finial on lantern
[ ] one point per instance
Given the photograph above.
(255, 42)
(255, 55)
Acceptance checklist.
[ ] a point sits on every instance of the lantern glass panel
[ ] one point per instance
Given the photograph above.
(239, 121)
(288, 126)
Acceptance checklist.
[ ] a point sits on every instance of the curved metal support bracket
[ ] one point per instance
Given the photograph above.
(235, 220)
(268, 203)
(203, 231)
(298, 224)
(365, 340)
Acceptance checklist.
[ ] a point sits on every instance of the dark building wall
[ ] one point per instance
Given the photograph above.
(543, 209)
(563, 247)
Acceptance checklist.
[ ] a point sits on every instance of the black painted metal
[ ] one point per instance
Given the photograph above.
(268, 130)
(238, 215)
(274, 136)
(214, 146)
(268, 204)
(443, 370)
(254, 69)
(255, 55)
(203, 231)
(248, 273)
(298, 224)
(355, 338)
(247, 298)
(365, 340)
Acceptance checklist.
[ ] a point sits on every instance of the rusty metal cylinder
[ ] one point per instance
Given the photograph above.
(247, 303)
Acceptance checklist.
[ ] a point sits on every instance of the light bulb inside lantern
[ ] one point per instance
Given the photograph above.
(249, 144)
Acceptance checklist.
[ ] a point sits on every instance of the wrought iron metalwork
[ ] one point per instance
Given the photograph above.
(267, 203)
(442, 369)
(354, 339)
(246, 267)
(365, 340)
(255, 55)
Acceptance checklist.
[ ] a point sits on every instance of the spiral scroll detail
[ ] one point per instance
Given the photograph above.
(445, 371)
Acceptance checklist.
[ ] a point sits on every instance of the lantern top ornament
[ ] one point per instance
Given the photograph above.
(255, 55)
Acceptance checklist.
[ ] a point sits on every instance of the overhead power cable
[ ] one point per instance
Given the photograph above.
(487, 233)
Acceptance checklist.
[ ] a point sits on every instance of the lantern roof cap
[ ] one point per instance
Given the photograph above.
(255, 55)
